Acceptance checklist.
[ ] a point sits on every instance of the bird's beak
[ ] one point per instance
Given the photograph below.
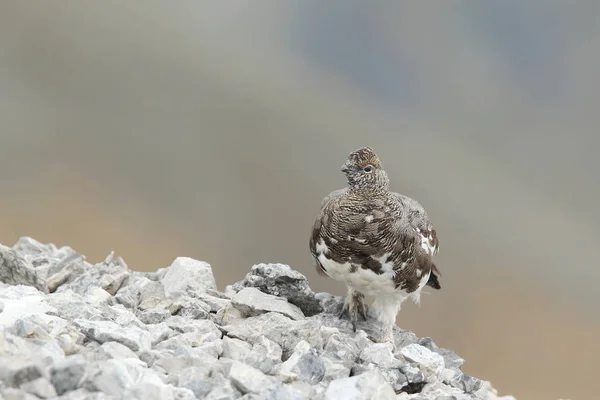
(345, 167)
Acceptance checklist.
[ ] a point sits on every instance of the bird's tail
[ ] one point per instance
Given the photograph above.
(434, 277)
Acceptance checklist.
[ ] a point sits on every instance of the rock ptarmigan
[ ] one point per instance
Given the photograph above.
(378, 242)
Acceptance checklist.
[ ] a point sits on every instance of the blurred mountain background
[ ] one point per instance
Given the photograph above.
(213, 130)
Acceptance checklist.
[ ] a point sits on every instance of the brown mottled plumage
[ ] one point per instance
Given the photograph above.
(378, 242)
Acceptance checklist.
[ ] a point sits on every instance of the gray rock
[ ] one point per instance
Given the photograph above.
(26, 328)
(215, 300)
(116, 350)
(148, 387)
(82, 394)
(184, 325)
(40, 387)
(278, 328)
(109, 275)
(130, 293)
(16, 371)
(191, 308)
(180, 393)
(66, 375)
(249, 380)
(265, 355)
(214, 387)
(192, 339)
(16, 394)
(69, 306)
(466, 383)
(381, 355)
(341, 349)
(16, 270)
(111, 377)
(228, 315)
(413, 375)
(107, 331)
(174, 364)
(55, 266)
(188, 277)
(152, 296)
(429, 362)
(282, 281)
(293, 391)
(334, 370)
(251, 302)
(451, 359)
(236, 349)
(155, 316)
(160, 332)
(97, 296)
(366, 386)
(304, 364)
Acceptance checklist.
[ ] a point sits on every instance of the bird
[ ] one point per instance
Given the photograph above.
(378, 242)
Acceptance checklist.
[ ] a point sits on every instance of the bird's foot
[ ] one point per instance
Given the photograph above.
(354, 306)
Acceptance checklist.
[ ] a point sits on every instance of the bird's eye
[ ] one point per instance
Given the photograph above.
(368, 168)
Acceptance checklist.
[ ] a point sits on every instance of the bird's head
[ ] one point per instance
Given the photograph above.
(364, 170)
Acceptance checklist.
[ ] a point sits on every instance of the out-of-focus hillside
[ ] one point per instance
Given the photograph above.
(170, 130)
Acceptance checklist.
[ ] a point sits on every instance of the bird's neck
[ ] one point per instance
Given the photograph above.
(379, 185)
(368, 191)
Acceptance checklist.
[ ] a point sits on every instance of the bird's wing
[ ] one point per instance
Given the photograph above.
(332, 196)
(417, 218)
(317, 234)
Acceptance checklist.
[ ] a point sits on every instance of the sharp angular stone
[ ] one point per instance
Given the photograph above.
(40, 387)
(265, 355)
(236, 349)
(334, 370)
(366, 386)
(188, 277)
(192, 308)
(451, 359)
(117, 350)
(251, 302)
(282, 281)
(149, 387)
(16, 394)
(278, 328)
(107, 331)
(214, 387)
(340, 348)
(109, 275)
(16, 270)
(427, 360)
(293, 391)
(66, 375)
(16, 371)
(82, 394)
(304, 364)
(249, 380)
(180, 393)
(155, 316)
(111, 377)
(228, 315)
(215, 300)
(381, 355)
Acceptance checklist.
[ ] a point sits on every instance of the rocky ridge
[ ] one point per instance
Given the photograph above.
(74, 330)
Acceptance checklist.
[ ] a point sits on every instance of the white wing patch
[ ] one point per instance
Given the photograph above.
(427, 242)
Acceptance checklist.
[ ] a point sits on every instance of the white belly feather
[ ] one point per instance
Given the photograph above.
(364, 280)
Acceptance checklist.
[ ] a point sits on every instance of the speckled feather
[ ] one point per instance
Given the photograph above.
(368, 226)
